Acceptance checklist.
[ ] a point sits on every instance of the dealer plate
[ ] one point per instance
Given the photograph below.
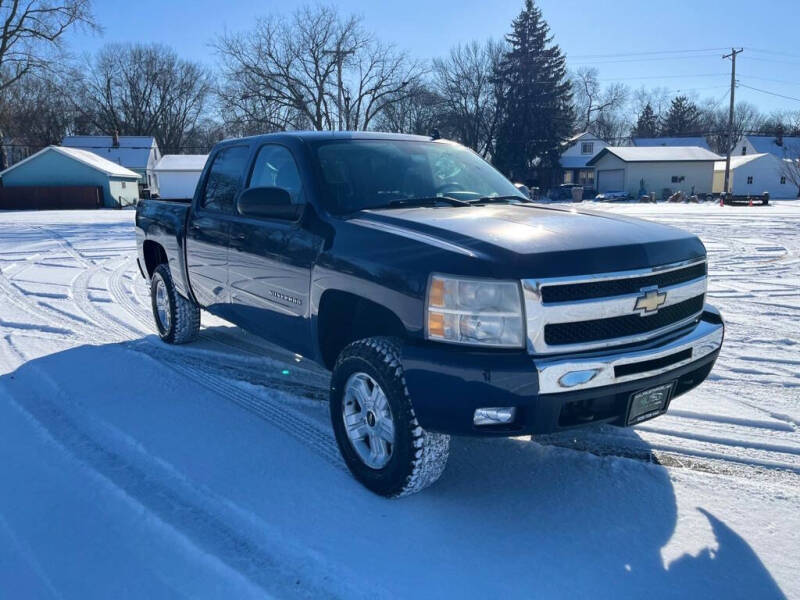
(649, 403)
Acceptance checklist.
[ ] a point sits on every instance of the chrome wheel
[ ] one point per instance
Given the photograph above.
(368, 420)
(162, 304)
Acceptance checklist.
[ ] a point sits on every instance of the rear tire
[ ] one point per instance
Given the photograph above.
(177, 318)
(373, 420)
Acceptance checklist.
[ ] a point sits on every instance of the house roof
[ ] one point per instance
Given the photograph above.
(88, 158)
(644, 142)
(578, 136)
(768, 144)
(133, 150)
(738, 161)
(574, 162)
(181, 162)
(657, 154)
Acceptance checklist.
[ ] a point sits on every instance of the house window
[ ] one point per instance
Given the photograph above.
(587, 147)
(123, 185)
(744, 150)
(750, 180)
(678, 178)
(586, 177)
(783, 180)
(568, 176)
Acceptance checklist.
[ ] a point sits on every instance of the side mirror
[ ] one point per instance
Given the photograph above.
(268, 203)
(524, 189)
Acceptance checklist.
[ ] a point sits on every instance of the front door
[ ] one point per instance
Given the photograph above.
(269, 267)
(208, 229)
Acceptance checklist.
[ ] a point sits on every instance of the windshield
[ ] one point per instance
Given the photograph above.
(359, 174)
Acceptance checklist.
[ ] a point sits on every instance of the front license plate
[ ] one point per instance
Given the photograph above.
(649, 403)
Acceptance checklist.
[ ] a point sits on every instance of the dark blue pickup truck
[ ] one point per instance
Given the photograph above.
(442, 299)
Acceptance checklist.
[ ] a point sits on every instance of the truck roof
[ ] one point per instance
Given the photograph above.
(334, 135)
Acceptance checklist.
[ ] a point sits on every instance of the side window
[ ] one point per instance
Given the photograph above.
(224, 179)
(275, 167)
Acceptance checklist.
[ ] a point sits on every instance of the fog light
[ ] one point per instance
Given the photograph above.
(574, 378)
(494, 416)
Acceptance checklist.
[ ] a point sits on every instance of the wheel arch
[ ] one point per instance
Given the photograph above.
(344, 317)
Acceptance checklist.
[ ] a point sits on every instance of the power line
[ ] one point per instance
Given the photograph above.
(633, 60)
(749, 87)
(774, 60)
(689, 76)
(655, 52)
(774, 52)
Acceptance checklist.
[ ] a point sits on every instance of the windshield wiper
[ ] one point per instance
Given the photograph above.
(430, 201)
(488, 199)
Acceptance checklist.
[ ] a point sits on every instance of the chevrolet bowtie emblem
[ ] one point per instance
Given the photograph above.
(650, 301)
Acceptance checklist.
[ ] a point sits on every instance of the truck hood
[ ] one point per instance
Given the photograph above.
(542, 240)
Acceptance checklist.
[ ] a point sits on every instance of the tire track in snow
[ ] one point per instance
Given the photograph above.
(216, 529)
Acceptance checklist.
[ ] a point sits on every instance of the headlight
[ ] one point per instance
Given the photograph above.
(481, 312)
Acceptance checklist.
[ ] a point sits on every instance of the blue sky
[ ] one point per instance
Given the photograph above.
(588, 31)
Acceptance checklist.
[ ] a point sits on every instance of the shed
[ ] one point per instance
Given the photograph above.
(754, 174)
(662, 168)
(58, 167)
(177, 175)
(139, 153)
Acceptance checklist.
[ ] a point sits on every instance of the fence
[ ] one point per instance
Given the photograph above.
(50, 198)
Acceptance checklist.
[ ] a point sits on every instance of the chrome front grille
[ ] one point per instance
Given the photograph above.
(572, 314)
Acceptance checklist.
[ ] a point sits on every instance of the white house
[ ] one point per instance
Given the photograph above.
(754, 174)
(777, 145)
(580, 149)
(643, 142)
(139, 153)
(177, 175)
(660, 168)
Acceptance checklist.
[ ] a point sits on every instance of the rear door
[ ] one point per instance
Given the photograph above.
(208, 229)
(270, 260)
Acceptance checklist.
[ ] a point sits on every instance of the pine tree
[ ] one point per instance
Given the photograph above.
(534, 99)
(683, 118)
(647, 124)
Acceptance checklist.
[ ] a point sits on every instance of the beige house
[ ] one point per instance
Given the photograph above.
(658, 169)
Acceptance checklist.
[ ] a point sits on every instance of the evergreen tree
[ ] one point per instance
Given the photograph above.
(647, 124)
(534, 100)
(683, 118)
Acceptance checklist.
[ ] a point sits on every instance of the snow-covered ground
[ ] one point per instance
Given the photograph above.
(130, 469)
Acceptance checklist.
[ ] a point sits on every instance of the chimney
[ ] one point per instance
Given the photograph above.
(779, 136)
(115, 139)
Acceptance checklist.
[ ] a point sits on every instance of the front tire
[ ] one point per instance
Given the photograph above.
(373, 420)
(177, 318)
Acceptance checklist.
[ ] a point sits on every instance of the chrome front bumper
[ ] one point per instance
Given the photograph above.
(559, 375)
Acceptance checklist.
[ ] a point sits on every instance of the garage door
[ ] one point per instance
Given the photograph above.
(611, 180)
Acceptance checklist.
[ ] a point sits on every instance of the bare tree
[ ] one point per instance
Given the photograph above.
(31, 35)
(145, 90)
(314, 69)
(465, 82)
(714, 122)
(31, 41)
(790, 167)
(419, 111)
(377, 77)
(598, 108)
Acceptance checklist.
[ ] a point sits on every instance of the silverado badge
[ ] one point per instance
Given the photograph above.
(650, 301)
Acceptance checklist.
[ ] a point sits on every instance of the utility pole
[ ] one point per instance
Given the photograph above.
(729, 145)
(339, 55)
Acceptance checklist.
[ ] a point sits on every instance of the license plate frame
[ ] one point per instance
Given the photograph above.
(650, 403)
